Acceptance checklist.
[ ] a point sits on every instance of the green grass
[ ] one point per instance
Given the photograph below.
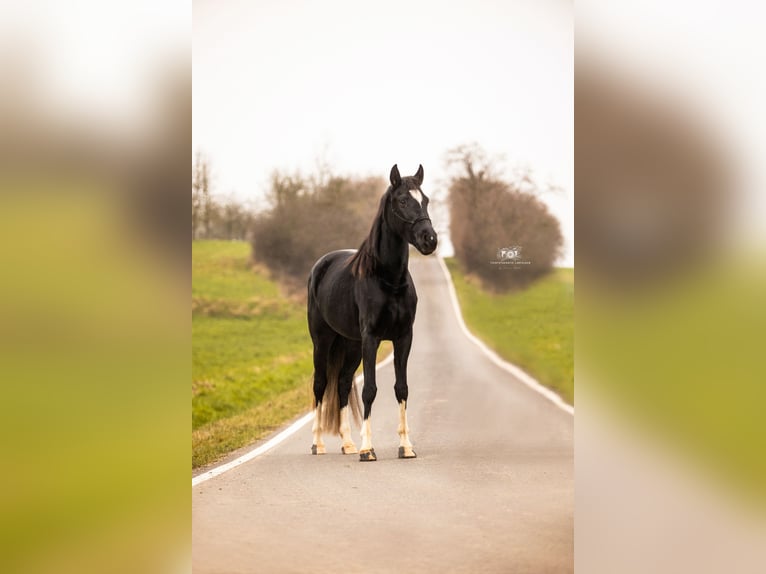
(223, 270)
(251, 352)
(533, 328)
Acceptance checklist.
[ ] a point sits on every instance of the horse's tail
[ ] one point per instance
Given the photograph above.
(329, 415)
(353, 402)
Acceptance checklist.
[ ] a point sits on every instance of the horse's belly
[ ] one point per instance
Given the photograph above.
(348, 329)
(342, 315)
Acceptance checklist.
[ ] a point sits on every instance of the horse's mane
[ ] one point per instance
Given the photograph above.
(363, 261)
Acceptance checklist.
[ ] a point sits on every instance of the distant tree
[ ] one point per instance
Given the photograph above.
(216, 217)
(207, 200)
(232, 219)
(203, 205)
(196, 194)
(489, 214)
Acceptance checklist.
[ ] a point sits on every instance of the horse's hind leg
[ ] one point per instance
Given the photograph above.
(369, 352)
(320, 383)
(322, 336)
(351, 362)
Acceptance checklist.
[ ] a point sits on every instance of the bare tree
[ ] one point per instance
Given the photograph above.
(472, 161)
(203, 205)
(230, 219)
(207, 201)
(196, 194)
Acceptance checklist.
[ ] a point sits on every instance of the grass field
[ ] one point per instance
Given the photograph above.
(533, 328)
(251, 352)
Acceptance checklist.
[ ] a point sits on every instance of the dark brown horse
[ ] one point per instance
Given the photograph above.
(356, 299)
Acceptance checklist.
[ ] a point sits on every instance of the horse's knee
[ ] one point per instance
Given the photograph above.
(401, 391)
(368, 396)
(368, 393)
(320, 384)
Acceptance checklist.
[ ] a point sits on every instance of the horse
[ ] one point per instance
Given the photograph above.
(358, 298)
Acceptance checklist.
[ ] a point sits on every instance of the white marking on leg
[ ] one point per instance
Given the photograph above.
(417, 195)
(366, 435)
(404, 429)
(345, 432)
(317, 430)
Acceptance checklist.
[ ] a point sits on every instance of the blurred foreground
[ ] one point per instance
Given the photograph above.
(671, 280)
(94, 287)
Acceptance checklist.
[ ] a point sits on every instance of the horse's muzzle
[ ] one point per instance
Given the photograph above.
(426, 240)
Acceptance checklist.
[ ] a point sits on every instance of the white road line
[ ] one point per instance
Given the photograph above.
(271, 443)
(494, 357)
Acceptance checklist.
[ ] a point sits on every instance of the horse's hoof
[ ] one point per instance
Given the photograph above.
(407, 452)
(367, 455)
(318, 449)
(349, 449)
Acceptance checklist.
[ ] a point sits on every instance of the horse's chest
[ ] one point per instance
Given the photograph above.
(395, 319)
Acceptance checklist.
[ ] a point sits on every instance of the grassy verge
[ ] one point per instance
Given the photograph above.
(533, 329)
(251, 352)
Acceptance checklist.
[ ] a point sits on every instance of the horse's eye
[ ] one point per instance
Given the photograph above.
(403, 201)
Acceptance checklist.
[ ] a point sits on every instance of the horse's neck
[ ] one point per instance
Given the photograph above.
(393, 255)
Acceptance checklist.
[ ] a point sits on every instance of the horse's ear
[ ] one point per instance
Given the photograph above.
(419, 175)
(395, 178)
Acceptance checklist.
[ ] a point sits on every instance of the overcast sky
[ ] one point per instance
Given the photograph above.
(367, 85)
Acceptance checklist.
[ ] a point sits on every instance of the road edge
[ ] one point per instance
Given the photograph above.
(517, 372)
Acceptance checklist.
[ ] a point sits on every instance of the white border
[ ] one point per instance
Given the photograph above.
(506, 366)
(271, 443)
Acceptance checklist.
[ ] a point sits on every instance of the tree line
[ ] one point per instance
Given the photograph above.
(307, 216)
(216, 217)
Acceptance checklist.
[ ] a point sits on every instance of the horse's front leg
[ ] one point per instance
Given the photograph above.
(401, 354)
(369, 355)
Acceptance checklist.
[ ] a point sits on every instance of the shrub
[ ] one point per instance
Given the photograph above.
(488, 213)
(308, 218)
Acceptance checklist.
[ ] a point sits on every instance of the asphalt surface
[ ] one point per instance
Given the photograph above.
(492, 489)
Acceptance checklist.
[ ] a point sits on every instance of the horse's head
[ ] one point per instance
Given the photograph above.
(409, 206)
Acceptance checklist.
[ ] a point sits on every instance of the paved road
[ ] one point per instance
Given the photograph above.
(492, 489)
